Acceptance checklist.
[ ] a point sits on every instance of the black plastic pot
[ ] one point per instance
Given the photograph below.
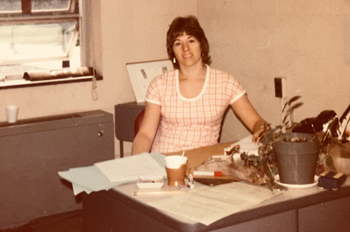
(296, 161)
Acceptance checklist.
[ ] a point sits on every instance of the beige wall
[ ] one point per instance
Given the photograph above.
(305, 41)
(255, 40)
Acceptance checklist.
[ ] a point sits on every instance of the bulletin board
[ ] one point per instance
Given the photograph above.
(142, 73)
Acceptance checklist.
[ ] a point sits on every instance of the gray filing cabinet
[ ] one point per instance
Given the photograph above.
(32, 151)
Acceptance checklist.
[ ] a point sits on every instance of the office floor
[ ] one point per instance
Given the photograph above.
(67, 222)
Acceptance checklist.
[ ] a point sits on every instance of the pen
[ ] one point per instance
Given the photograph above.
(141, 193)
(207, 173)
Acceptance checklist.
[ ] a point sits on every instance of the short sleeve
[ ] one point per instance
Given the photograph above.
(153, 91)
(235, 89)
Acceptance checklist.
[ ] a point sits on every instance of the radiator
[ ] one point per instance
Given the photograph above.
(32, 151)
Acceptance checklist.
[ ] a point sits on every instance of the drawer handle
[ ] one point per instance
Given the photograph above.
(100, 134)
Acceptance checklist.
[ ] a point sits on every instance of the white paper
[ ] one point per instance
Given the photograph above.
(89, 179)
(77, 188)
(209, 204)
(130, 168)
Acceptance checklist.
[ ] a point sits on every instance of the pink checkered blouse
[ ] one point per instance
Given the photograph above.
(188, 123)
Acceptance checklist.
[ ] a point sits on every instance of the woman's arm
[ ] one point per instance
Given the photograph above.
(144, 138)
(251, 119)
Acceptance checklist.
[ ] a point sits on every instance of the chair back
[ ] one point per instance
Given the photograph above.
(138, 122)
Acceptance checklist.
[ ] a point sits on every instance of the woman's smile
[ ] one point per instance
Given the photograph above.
(187, 50)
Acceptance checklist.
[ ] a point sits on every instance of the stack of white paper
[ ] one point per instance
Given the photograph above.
(111, 173)
(130, 168)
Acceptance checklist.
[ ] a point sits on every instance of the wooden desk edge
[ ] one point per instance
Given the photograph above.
(194, 159)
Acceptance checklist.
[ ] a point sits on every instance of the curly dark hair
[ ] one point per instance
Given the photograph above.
(190, 26)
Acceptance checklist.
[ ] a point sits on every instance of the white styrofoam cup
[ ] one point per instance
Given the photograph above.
(12, 113)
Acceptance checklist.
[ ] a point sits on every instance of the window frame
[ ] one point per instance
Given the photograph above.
(29, 17)
(26, 9)
(47, 20)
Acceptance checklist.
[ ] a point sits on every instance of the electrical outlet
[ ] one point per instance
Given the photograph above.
(280, 87)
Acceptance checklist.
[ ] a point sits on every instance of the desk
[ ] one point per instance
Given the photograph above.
(318, 210)
(125, 115)
(308, 210)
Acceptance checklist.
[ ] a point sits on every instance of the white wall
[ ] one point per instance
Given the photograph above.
(305, 41)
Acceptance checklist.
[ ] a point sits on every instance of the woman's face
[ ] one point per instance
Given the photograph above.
(187, 50)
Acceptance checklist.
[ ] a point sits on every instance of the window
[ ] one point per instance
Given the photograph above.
(38, 35)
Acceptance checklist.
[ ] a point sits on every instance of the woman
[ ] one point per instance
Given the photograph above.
(185, 107)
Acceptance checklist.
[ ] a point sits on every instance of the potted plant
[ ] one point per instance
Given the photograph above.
(291, 155)
(298, 151)
(293, 150)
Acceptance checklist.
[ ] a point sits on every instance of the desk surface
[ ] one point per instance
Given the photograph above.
(135, 208)
(297, 196)
(295, 210)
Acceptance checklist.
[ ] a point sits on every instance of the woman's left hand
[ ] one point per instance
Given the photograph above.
(259, 131)
(258, 135)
